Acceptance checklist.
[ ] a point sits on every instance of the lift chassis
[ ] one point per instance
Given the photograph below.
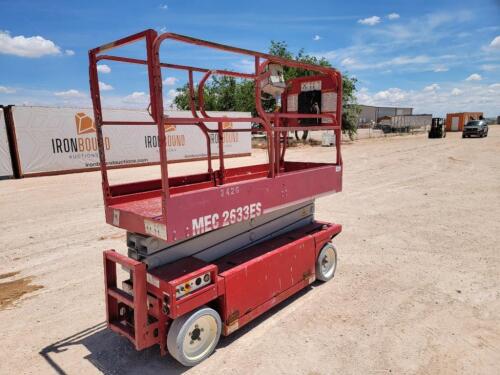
(210, 252)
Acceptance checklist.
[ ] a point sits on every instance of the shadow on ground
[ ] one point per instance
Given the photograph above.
(112, 354)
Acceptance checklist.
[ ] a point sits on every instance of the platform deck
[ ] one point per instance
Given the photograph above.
(199, 203)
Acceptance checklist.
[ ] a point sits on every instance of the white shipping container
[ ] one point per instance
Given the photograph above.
(407, 121)
(5, 159)
(64, 139)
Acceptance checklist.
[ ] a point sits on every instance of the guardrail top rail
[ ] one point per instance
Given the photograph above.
(147, 206)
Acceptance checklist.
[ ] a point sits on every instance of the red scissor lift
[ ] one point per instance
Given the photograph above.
(186, 302)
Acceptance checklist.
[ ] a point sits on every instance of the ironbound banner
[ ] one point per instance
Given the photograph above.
(5, 160)
(63, 139)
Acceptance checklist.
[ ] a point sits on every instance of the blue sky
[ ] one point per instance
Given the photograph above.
(437, 56)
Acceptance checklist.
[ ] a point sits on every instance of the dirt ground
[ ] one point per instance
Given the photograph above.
(417, 289)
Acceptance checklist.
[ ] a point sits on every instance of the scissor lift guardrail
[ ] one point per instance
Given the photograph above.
(176, 208)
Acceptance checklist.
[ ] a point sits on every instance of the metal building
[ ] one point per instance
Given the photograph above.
(370, 115)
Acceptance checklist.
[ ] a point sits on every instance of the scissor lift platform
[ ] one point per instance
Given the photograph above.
(201, 204)
(177, 208)
(209, 252)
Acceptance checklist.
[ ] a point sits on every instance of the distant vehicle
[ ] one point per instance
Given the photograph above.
(438, 128)
(475, 127)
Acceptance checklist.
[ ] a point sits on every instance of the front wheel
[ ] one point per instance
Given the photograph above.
(326, 264)
(194, 336)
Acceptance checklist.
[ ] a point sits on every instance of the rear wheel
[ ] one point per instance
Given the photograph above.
(194, 336)
(326, 264)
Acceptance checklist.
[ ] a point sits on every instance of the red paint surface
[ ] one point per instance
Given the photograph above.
(176, 202)
(244, 284)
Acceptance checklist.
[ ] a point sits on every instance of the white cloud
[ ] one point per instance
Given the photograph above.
(139, 100)
(6, 90)
(34, 46)
(474, 77)
(245, 66)
(348, 61)
(421, 30)
(70, 94)
(440, 68)
(391, 96)
(432, 87)
(449, 98)
(353, 63)
(103, 68)
(105, 87)
(170, 81)
(417, 33)
(393, 16)
(316, 37)
(405, 60)
(488, 28)
(137, 97)
(399, 42)
(169, 100)
(163, 6)
(440, 18)
(495, 43)
(69, 52)
(370, 21)
(163, 29)
(490, 67)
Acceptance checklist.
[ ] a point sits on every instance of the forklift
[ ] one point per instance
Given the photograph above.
(438, 128)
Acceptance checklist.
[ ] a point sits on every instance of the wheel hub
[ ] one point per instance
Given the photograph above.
(200, 337)
(196, 334)
(328, 261)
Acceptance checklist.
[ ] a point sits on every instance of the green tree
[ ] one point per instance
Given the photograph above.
(350, 108)
(224, 93)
